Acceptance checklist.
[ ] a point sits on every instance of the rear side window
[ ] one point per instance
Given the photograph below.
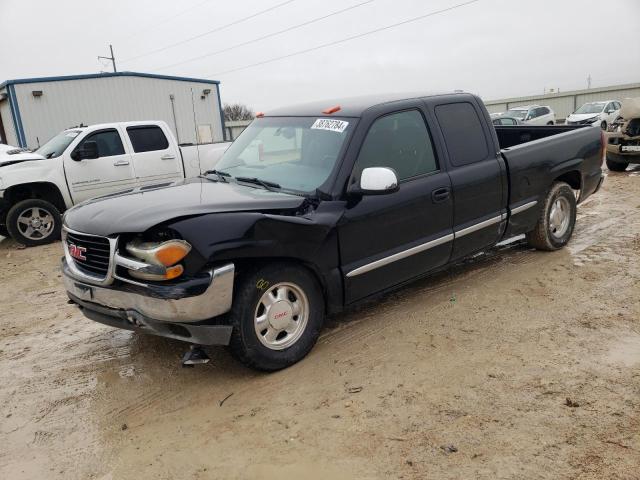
(147, 138)
(542, 111)
(462, 132)
(108, 142)
(400, 141)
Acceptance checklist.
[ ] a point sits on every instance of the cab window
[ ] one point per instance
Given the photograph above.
(108, 142)
(463, 133)
(147, 138)
(399, 141)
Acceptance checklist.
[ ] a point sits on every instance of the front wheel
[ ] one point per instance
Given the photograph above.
(603, 125)
(557, 219)
(34, 222)
(277, 314)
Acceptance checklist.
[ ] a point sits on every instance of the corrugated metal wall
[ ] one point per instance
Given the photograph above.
(67, 103)
(7, 123)
(565, 103)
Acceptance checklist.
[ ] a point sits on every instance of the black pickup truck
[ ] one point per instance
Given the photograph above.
(316, 207)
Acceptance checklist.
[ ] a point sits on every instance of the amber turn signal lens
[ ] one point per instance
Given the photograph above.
(173, 272)
(171, 253)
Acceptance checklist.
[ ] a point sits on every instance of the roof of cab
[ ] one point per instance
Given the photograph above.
(349, 107)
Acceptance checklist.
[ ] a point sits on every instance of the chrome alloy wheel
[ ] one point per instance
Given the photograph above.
(36, 223)
(281, 315)
(559, 217)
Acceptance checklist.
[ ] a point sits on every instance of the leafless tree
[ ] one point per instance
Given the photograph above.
(237, 111)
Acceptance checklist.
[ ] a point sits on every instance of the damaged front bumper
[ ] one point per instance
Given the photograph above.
(188, 318)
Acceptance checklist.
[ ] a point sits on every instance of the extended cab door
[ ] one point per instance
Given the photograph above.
(110, 172)
(391, 238)
(478, 176)
(155, 158)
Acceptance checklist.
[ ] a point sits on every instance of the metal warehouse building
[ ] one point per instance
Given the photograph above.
(32, 110)
(565, 103)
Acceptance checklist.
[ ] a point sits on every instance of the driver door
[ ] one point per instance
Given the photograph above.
(111, 172)
(388, 239)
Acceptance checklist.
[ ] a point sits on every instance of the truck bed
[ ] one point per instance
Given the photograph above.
(535, 156)
(510, 136)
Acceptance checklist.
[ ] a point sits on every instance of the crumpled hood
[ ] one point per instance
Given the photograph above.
(630, 108)
(144, 208)
(10, 159)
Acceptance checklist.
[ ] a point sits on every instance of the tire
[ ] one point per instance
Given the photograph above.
(279, 340)
(616, 166)
(603, 125)
(44, 224)
(554, 233)
(549, 123)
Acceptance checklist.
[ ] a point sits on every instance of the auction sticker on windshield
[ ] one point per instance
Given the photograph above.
(329, 124)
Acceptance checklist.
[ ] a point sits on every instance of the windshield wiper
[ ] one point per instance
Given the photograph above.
(221, 175)
(271, 186)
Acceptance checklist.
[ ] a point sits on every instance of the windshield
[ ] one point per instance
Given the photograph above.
(296, 153)
(58, 144)
(519, 114)
(596, 107)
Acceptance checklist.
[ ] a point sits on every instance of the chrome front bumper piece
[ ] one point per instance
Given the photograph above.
(182, 318)
(214, 301)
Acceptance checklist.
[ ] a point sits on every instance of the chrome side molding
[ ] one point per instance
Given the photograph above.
(400, 255)
(524, 207)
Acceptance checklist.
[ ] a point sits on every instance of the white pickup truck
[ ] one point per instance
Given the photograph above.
(85, 162)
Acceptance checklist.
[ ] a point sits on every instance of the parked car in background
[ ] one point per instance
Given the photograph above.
(343, 202)
(506, 121)
(532, 115)
(85, 162)
(623, 139)
(595, 113)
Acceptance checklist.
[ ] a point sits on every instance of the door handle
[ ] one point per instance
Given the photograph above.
(167, 157)
(440, 195)
(121, 163)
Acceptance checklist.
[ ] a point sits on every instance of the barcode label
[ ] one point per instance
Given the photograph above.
(329, 124)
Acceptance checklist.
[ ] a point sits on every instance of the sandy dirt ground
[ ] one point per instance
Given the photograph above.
(517, 364)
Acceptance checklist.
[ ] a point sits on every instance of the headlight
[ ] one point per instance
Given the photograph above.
(162, 257)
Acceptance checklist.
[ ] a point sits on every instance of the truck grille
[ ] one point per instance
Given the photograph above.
(90, 254)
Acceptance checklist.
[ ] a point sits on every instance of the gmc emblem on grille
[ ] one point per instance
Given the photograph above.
(77, 252)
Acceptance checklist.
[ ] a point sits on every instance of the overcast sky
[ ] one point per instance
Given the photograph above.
(496, 48)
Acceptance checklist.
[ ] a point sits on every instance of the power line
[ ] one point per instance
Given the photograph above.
(166, 20)
(264, 37)
(209, 32)
(336, 42)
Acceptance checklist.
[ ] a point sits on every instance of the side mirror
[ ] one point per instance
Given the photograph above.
(376, 181)
(88, 151)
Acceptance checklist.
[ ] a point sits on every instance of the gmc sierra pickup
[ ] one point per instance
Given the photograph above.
(316, 207)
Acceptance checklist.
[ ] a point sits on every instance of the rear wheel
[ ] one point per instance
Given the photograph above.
(34, 222)
(277, 314)
(557, 219)
(549, 123)
(616, 166)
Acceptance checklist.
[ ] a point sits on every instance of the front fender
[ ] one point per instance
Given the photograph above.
(47, 171)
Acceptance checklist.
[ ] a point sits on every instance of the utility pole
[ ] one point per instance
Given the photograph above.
(112, 58)
(589, 81)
